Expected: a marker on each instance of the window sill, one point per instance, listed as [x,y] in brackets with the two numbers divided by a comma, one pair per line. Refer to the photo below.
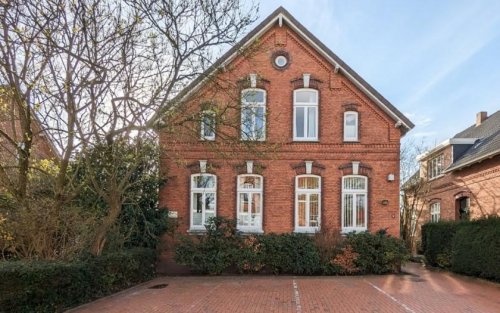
[206,139]
[197,231]
[305,140]
[306,230]
[436,177]
[250,231]
[351,141]
[346,231]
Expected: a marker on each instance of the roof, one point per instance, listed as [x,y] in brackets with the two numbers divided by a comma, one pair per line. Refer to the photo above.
[282,16]
[486,146]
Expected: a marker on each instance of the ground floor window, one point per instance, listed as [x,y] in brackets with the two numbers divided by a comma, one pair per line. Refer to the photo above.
[435,212]
[463,208]
[203,199]
[354,203]
[307,203]
[249,202]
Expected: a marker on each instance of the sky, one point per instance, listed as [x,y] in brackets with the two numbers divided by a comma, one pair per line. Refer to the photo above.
[438,62]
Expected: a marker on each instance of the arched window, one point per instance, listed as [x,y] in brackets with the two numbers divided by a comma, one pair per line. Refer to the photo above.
[307,203]
[351,126]
[354,203]
[305,114]
[207,127]
[253,114]
[203,199]
[435,212]
[249,206]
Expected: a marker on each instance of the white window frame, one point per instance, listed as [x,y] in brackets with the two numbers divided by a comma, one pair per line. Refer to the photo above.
[306,106]
[250,192]
[435,166]
[203,191]
[254,106]
[308,193]
[356,136]
[355,193]
[435,212]
[202,125]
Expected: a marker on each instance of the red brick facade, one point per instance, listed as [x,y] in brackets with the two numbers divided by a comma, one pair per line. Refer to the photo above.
[279,159]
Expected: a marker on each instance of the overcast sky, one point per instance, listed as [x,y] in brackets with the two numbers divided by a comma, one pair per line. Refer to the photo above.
[438,62]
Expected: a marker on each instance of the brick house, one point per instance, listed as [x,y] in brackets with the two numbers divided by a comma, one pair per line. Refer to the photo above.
[463,173]
[315,146]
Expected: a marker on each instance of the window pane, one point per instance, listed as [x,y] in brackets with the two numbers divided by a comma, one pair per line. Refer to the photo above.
[302,213]
[210,201]
[360,211]
[350,119]
[299,121]
[260,126]
[306,96]
[204,181]
[354,183]
[253,96]
[246,123]
[311,123]
[348,210]
[250,182]
[256,203]
[197,209]
[314,210]
[208,125]
[308,182]
[244,203]
[350,132]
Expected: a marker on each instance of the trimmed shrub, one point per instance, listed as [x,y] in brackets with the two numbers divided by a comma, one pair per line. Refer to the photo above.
[476,249]
[377,253]
[42,286]
[437,240]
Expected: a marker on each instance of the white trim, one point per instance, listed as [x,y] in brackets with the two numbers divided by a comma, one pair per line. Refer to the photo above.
[279,17]
[356,136]
[308,193]
[203,191]
[202,126]
[254,106]
[355,193]
[306,106]
[435,210]
[250,191]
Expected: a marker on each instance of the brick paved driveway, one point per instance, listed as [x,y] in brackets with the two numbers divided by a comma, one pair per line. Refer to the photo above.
[423,291]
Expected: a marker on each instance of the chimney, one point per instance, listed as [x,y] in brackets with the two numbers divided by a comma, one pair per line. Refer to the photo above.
[481,117]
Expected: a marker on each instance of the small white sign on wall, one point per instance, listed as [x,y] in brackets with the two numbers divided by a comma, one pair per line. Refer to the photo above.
[172,214]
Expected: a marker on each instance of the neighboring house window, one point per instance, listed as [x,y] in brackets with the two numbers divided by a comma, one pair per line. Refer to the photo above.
[207,127]
[253,114]
[305,114]
[203,199]
[250,202]
[435,212]
[307,203]
[354,203]
[351,126]
[435,166]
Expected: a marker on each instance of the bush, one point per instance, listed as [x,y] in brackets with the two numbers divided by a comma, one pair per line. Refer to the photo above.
[223,249]
[437,239]
[476,249]
[42,286]
[378,253]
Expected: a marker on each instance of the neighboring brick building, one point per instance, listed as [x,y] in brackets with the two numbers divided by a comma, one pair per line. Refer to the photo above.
[463,173]
[317,147]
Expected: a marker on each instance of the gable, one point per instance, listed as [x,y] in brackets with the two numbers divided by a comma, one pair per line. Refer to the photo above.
[279,18]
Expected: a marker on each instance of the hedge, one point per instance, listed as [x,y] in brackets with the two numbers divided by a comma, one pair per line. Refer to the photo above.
[223,250]
[43,286]
[467,247]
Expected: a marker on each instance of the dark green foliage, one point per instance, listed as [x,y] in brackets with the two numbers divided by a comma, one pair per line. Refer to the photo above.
[476,249]
[378,253]
[213,252]
[222,249]
[437,239]
[43,286]
[290,254]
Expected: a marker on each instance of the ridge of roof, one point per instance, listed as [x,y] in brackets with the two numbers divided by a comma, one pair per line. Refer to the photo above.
[282,15]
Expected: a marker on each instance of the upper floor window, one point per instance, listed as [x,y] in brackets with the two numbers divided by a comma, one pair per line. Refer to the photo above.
[435,166]
[207,127]
[351,126]
[203,199]
[354,203]
[307,203]
[305,114]
[253,114]
[435,212]
[249,204]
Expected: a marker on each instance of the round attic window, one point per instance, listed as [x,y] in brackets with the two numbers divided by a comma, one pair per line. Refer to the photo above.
[281,61]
